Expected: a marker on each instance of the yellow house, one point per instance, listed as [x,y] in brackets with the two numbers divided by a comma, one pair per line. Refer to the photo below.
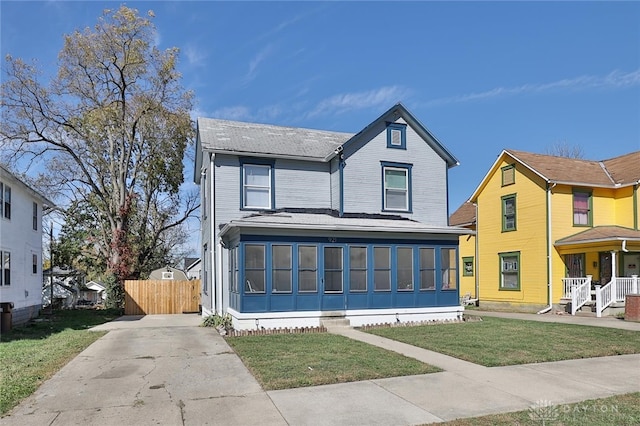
[465,217]
[553,233]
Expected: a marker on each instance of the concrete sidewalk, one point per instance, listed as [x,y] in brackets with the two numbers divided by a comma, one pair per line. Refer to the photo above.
[606,322]
[165,370]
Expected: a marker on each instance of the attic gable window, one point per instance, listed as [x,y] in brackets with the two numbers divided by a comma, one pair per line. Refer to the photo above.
[257,182]
[397,136]
[508,175]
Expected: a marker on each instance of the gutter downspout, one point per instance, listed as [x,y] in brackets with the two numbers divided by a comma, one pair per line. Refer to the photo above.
[477,262]
[213,236]
[549,262]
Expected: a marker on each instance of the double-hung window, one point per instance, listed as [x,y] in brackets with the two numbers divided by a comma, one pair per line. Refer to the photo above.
[5,268]
[5,200]
[582,208]
[510,271]
[509,213]
[35,216]
[396,187]
[257,186]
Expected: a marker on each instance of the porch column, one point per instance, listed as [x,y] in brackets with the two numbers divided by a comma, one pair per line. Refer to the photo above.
[614,290]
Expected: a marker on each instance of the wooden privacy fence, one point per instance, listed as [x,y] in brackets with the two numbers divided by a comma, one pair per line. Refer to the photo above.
[161,297]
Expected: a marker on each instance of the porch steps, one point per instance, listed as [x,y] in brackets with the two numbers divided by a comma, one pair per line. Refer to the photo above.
[335,322]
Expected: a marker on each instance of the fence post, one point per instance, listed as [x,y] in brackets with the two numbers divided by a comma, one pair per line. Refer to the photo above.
[598,302]
[634,284]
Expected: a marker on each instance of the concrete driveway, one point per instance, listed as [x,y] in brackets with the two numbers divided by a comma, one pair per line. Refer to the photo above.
[152,370]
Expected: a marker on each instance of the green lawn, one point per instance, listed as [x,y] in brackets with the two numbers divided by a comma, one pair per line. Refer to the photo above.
[31,354]
[498,341]
[282,361]
[619,410]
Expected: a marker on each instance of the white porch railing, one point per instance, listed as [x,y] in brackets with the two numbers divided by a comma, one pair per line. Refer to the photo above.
[571,283]
[580,294]
[615,291]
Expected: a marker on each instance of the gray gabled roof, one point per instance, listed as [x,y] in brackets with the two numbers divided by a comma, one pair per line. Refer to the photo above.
[234,137]
[400,111]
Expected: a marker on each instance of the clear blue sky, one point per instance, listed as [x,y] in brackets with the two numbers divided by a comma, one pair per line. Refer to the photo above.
[481,76]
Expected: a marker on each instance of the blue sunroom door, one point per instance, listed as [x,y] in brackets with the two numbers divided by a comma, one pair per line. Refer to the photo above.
[333,296]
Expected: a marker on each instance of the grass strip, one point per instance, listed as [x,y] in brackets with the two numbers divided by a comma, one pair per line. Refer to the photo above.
[283,361]
[619,410]
[500,341]
[32,353]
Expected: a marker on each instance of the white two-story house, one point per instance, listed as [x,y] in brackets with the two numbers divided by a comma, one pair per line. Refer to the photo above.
[21,210]
[300,225]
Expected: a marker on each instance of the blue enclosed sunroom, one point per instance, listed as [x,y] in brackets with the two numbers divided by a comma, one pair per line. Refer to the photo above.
[294,269]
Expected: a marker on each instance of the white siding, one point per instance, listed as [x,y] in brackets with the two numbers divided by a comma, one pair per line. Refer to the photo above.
[18,237]
[363,178]
[302,184]
[335,184]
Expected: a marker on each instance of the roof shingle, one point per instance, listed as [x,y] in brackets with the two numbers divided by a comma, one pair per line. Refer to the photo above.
[252,138]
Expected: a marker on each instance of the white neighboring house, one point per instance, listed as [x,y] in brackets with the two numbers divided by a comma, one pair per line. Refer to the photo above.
[194,269]
[21,210]
[96,292]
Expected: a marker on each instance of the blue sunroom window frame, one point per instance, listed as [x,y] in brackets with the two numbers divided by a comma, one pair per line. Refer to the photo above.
[403,135]
[250,161]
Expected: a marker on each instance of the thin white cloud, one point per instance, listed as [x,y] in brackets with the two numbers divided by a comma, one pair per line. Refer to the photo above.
[256,61]
[614,80]
[240,113]
[195,56]
[360,100]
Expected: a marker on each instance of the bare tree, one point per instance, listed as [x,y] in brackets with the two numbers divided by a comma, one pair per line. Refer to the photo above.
[111,129]
[564,149]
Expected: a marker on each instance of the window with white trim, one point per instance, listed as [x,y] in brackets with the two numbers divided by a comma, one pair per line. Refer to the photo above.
[5,200]
[5,268]
[34,263]
[35,216]
[256,186]
[396,187]
[510,271]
